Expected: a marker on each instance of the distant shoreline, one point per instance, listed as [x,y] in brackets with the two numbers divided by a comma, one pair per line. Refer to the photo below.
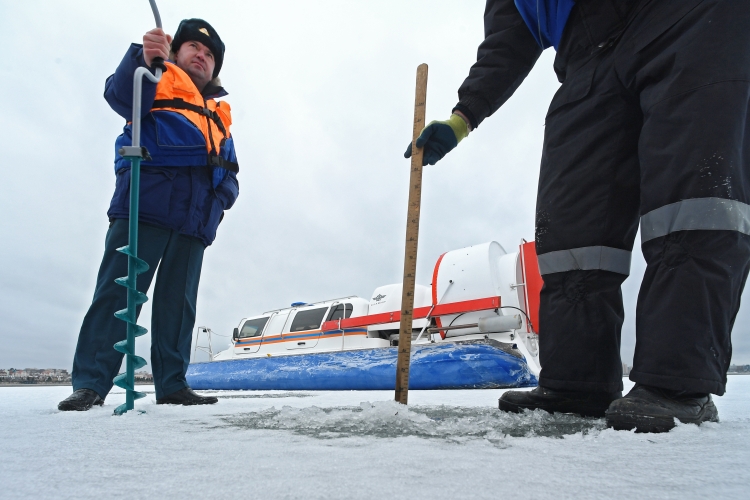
[38,385]
[57,385]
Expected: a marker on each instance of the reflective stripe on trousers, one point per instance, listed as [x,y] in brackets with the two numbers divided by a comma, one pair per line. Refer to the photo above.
[586,259]
[710,214]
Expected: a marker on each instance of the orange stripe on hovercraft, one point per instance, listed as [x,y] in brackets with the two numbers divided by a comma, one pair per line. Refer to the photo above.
[484,304]
[289,337]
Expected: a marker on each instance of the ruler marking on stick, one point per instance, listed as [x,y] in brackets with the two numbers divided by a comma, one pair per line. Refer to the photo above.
[412,238]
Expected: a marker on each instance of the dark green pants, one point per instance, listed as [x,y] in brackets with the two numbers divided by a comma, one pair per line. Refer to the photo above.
[179,259]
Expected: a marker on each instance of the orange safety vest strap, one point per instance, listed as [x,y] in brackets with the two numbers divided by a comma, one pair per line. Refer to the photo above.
[178,103]
[214,159]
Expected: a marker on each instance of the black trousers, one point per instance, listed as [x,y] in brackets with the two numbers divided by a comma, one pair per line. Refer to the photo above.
[652,127]
[179,259]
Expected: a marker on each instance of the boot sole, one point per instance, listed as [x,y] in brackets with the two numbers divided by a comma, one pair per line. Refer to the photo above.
[641,423]
[187,403]
[581,412]
[657,424]
[509,407]
[71,407]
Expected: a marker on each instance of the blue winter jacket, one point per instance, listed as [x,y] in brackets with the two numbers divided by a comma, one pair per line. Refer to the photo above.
[178,189]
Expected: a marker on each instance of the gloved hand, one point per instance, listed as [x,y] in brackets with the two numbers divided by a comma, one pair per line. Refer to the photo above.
[439,137]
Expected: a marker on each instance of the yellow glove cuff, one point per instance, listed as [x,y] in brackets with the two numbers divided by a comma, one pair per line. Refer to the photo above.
[459,126]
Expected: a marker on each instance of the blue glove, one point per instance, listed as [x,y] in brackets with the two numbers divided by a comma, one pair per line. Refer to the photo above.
[439,137]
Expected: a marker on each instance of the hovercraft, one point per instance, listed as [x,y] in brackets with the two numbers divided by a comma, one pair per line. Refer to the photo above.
[473,328]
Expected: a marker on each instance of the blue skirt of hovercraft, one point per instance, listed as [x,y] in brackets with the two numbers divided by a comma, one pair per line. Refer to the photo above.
[467,365]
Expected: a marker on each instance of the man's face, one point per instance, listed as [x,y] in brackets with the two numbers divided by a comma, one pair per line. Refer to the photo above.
[197,61]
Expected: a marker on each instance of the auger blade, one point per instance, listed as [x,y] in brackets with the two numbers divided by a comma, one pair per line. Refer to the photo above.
[139,330]
[122,346]
[121,380]
[140,297]
[138,362]
[123,281]
[123,315]
[141,266]
[123,408]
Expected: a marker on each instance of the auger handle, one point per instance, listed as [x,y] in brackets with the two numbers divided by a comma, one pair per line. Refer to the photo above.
[158,65]
[155,10]
[158,62]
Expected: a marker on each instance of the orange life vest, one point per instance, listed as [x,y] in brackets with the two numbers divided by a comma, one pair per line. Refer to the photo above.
[176,92]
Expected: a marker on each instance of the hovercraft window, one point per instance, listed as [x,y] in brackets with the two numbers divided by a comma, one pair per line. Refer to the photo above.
[338,310]
[308,320]
[253,327]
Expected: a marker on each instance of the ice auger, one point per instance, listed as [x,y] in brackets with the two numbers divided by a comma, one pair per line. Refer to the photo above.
[135,153]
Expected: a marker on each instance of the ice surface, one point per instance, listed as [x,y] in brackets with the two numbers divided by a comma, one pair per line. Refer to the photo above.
[388,419]
[275,444]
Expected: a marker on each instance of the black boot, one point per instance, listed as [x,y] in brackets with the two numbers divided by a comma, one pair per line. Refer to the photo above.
[186,397]
[585,404]
[80,400]
[651,409]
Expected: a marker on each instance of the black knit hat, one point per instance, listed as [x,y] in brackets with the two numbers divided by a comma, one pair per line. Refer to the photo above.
[199,30]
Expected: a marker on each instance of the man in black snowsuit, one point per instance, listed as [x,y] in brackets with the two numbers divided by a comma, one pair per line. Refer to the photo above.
[650,125]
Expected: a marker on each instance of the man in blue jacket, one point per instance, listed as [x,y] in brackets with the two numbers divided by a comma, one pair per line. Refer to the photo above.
[651,125]
[185,188]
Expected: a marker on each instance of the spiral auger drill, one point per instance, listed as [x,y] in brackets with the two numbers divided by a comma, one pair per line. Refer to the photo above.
[135,153]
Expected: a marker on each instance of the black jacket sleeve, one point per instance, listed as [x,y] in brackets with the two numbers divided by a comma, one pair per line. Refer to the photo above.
[504,58]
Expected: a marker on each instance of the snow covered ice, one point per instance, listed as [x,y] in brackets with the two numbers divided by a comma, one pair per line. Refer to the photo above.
[274,444]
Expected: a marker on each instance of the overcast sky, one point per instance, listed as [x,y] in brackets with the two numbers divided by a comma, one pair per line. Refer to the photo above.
[322,99]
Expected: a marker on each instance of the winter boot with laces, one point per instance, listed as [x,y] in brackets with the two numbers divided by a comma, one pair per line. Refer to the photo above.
[651,409]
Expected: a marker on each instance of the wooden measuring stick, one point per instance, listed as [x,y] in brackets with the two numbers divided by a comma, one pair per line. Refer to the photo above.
[412,237]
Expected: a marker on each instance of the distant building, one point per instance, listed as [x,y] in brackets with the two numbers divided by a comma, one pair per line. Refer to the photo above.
[34,376]
[144,377]
[626,369]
